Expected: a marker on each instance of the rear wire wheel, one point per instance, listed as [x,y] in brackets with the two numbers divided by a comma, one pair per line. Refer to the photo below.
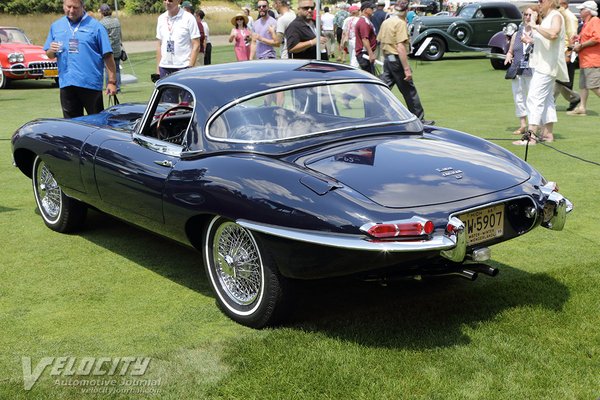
[248,287]
[59,212]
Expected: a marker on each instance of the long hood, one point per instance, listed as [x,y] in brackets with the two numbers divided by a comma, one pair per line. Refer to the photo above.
[409,172]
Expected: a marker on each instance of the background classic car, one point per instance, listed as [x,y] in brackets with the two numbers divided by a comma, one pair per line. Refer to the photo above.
[20,59]
[470,30]
[264,169]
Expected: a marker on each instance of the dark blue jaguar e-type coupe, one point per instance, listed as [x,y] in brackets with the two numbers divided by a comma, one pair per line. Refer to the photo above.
[287,170]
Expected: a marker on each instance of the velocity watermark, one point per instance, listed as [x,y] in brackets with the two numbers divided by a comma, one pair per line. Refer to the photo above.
[93,374]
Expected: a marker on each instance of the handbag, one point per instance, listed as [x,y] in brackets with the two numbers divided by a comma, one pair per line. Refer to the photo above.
[511,72]
[113,100]
[124,55]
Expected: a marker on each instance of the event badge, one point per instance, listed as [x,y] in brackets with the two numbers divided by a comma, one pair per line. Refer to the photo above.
[73,45]
[170,46]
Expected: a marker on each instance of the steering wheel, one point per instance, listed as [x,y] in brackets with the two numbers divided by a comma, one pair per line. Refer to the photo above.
[163,115]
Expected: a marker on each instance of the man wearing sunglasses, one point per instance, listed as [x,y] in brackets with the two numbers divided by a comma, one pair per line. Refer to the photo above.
[264,36]
[301,34]
[178,39]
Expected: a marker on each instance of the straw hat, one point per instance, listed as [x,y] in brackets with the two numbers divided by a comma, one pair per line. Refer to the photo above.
[239,15]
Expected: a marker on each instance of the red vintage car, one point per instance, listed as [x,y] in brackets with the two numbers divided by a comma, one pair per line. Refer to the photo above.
[20,59]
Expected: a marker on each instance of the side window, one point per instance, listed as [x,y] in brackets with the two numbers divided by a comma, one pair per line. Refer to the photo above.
[171,115]
[478,15]
[492,13]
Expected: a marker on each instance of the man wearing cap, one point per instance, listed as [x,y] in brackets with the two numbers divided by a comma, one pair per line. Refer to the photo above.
[82,47]
[349,35]
[587,46]
[113,27]
[395,45]
[301,34]
[366,40]
[178,39]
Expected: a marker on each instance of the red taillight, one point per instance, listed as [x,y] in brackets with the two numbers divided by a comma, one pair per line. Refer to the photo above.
[398,229]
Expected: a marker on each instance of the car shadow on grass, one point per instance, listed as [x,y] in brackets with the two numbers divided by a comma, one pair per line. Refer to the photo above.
[419,314]
[408,314]
[170,259]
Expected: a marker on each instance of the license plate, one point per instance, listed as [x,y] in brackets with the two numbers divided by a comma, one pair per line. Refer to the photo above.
[50,73]
[484,224]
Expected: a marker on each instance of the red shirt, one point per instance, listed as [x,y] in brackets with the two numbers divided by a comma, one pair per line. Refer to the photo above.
[364,29]
[589,57]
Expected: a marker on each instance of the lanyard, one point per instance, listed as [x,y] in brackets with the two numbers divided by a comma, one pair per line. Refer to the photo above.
[74,31]
[171,23]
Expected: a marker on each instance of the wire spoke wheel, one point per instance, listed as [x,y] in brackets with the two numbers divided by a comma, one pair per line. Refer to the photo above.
[238,263]
[248,286]
[59,212]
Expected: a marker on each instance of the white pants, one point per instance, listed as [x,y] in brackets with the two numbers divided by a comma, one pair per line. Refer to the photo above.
[540,100]
[520,89]
[353,60]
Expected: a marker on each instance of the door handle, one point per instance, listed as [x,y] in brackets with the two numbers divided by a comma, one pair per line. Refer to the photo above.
[164,163]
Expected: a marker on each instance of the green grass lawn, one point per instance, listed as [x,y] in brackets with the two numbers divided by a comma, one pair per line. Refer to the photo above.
[115,291]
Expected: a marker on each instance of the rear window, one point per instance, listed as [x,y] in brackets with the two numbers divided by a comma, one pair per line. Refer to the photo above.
[302,111]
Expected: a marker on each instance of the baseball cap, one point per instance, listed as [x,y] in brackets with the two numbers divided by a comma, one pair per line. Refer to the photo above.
[590,5]
[104,8]
[353,8]
[365,5]
[186,4]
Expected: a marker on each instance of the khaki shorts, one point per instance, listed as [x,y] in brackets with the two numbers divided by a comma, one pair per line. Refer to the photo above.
[589,78]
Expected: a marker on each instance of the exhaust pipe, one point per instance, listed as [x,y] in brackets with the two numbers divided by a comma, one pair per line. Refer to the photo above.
[484,269]
[467,274]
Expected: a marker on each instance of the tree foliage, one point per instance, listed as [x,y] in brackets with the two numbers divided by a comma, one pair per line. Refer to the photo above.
[23,7]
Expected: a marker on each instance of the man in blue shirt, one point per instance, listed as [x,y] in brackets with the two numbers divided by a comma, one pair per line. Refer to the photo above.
[82,47]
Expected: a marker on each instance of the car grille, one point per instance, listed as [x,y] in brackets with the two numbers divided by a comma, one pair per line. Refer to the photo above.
[38,67]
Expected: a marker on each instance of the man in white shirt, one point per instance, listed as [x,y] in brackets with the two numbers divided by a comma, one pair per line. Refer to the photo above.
[327,28]
[178,39]
[286,16]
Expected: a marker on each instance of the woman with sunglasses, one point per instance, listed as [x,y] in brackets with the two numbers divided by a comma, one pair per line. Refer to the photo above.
[519,71]
[548,63]
[242,36]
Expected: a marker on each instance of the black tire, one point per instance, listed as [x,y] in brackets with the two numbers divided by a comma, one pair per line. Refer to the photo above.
[3,80]
[248,287]
[435,50]
[498,63]
[59,212]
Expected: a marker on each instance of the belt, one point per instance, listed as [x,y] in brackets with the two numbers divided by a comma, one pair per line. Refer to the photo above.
[391,57]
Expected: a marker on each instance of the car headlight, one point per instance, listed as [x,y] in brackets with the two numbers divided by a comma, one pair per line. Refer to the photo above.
[16,57]
[510,29]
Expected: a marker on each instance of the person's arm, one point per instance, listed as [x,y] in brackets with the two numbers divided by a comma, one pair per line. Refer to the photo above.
[367,45]
[273,42]
[195,48]
[232,35]
[550,33]
[403,56]
[509,53]
[252,47]
[158,56]
[111,67]
[588,43]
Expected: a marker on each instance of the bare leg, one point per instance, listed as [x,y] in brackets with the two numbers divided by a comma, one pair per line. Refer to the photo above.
[547,134]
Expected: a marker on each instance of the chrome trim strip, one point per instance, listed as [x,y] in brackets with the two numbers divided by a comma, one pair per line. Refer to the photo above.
[352,242]
[237,101]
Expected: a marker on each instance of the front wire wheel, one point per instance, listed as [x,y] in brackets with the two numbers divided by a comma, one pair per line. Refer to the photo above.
[247,284]
[59,212]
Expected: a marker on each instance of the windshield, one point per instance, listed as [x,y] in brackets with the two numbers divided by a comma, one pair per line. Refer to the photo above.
[302,111]
[8,35]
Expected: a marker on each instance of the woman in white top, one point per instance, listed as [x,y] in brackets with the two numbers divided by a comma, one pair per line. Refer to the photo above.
[548,63]
[349,33]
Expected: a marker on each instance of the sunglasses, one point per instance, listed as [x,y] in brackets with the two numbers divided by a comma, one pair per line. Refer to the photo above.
[308,8]
[527,14]
[263,5]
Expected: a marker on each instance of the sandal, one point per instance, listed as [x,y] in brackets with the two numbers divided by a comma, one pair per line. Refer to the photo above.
[531,142]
